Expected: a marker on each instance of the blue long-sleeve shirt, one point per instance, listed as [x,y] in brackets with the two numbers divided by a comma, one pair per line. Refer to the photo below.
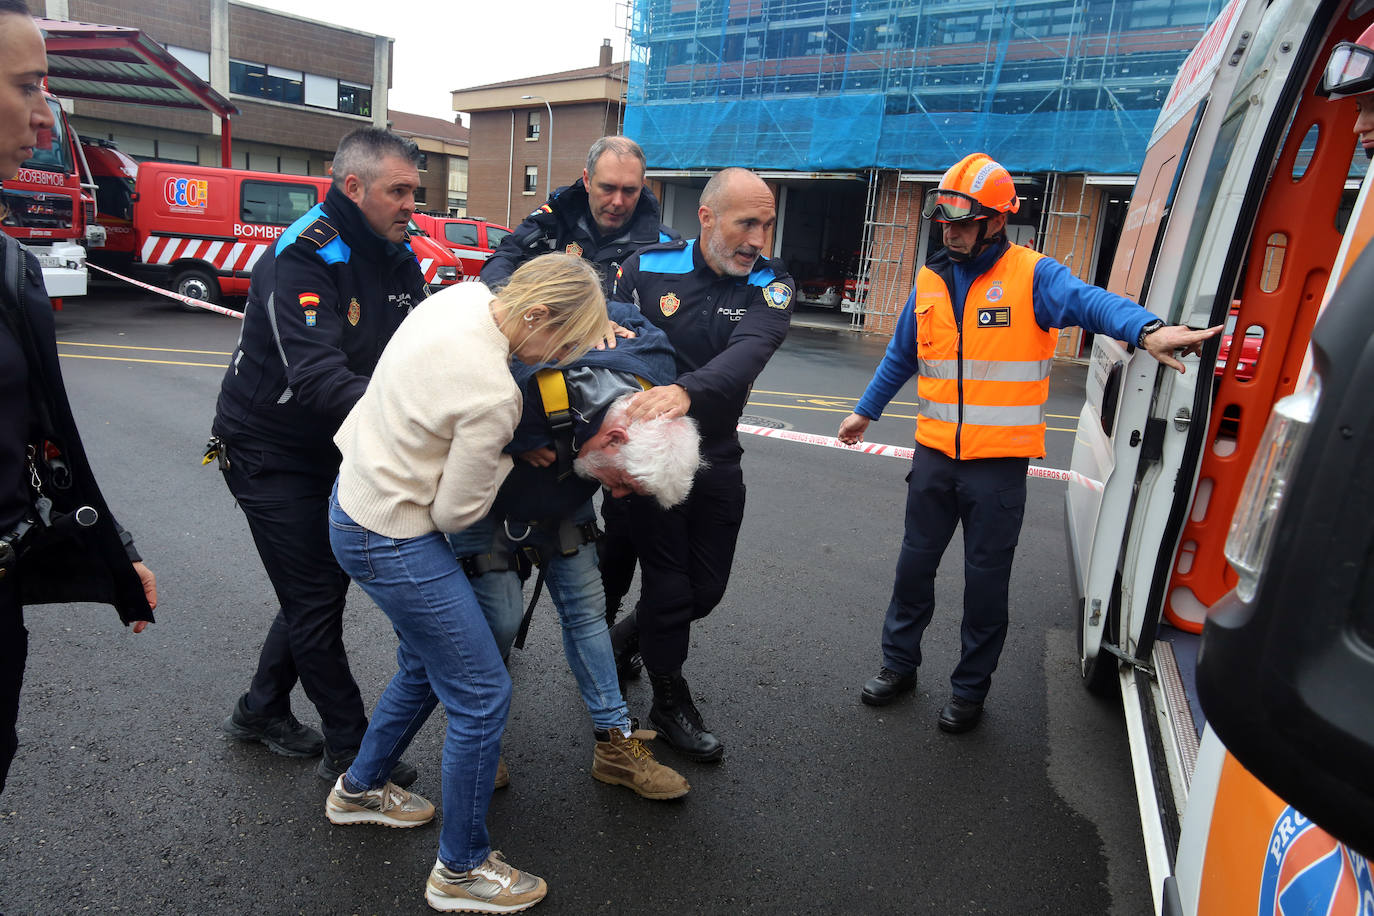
[1059,299]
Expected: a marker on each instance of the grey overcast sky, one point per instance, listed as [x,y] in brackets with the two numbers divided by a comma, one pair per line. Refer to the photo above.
[442,45]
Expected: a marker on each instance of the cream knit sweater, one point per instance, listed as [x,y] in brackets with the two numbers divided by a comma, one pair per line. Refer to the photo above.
[422,447]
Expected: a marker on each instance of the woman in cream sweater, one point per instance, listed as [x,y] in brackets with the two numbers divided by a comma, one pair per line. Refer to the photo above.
[421,457]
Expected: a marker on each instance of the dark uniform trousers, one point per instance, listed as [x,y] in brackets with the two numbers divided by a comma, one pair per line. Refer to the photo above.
[989,496]
[286,502]
[685,555]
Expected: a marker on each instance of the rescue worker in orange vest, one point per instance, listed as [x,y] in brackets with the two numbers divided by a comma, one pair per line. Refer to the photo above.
[980,330]
[1350,74]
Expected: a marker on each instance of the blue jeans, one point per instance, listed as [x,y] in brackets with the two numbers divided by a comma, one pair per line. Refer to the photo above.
[445,653]
[574,583]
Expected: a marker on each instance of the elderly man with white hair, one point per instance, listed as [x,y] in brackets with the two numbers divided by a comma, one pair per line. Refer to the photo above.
[574,435]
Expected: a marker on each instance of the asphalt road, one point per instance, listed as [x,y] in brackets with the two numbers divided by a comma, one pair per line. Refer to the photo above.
[126,797]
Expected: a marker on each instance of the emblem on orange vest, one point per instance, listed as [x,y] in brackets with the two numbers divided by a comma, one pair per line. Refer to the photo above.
[574,249]
[995,292]
[668,304]
[994,318]
[355,311]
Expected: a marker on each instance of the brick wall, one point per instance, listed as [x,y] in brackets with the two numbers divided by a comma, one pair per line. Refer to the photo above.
[575,128]
[263,37]
[892,252]
[255,35]
[171,22]
[1070,235]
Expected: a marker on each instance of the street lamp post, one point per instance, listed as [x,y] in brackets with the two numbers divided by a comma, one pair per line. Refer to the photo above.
[548,166]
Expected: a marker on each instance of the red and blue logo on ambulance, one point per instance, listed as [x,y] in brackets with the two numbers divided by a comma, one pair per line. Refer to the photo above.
[186,193]
[1306,870]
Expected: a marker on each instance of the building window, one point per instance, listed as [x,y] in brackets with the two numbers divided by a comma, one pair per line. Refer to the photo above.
[321,91]
[423,164]
[531,178]
[354,99]
[198,62]
[268,82]
[275,203]
[420,196]
[532,125]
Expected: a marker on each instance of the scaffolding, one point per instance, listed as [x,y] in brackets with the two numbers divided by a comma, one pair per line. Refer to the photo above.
[810,85]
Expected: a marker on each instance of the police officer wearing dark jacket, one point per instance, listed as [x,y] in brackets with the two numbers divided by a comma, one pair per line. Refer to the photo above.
[725,308]
[322,305]
[58,541]
[604,217]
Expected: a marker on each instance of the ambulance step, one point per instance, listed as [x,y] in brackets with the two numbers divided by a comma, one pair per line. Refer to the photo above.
[1179,710]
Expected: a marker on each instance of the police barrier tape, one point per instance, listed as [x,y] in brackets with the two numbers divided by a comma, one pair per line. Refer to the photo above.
[867,448]
[198,303]
[897,451]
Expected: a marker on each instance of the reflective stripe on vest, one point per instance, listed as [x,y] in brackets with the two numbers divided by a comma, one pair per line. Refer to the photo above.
[983,386]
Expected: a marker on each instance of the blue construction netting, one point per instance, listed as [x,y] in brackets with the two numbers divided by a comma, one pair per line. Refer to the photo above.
[812,85]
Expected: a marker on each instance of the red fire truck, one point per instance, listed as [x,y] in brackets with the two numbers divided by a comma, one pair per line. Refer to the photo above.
[50,207]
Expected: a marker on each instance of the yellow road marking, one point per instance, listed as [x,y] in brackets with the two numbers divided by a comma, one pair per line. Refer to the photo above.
[130,359]
[72,343]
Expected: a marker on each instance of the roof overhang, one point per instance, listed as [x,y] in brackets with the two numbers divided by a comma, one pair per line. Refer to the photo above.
[110,63]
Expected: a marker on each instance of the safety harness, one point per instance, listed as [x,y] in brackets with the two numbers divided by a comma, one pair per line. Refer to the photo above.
[571,536]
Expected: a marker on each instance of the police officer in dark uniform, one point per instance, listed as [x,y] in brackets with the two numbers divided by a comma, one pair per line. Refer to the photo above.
[58,541]
[323,303]
[725,308]
[603,217]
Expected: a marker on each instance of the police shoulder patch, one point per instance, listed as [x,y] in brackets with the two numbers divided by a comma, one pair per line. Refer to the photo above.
[777,294]
[319,233]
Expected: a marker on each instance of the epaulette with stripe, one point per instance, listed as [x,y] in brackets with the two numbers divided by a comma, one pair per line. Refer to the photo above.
[319,233]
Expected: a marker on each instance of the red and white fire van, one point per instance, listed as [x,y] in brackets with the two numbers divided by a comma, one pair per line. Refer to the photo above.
[206,228]
[471,240]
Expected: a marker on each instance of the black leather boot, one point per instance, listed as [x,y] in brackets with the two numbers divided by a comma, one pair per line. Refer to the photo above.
[677,720]
[625,645]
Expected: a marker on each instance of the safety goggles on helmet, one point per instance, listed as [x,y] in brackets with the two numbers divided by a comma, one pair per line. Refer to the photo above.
[1349,71]
[946,206]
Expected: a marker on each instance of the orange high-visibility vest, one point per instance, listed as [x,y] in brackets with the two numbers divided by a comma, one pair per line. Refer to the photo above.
[983,389]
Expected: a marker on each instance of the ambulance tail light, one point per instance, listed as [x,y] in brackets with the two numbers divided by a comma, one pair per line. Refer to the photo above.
[1267,483]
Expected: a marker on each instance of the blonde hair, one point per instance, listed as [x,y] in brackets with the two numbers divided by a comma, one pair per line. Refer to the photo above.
[570,289]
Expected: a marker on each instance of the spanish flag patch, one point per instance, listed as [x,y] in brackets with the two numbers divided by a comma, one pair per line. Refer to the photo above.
[309,300]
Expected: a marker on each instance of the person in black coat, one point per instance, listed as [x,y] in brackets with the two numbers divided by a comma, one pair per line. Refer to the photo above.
[58,541]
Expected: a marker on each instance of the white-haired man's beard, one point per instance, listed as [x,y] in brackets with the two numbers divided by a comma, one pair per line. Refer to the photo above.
[588,465]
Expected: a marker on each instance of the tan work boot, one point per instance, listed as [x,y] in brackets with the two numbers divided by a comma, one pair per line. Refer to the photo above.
[628,762]
[502,774]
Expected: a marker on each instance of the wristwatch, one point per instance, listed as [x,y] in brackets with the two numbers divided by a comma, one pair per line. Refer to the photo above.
[1146,331]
